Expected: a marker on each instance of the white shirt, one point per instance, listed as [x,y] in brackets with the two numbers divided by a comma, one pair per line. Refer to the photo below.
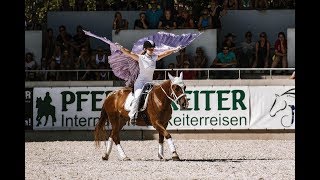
[147,65]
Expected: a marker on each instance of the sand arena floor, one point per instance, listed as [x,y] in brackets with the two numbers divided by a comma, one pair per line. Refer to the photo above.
[200,159]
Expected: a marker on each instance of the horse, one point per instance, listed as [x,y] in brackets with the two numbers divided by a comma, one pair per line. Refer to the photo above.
[158,111]
[281,104]
[45,109]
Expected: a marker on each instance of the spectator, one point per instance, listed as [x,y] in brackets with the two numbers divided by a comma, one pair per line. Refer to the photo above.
[200,61]
[57,57]
[216,12]
[172,72]
[30,64]
[119,23]
[186,22]
[64,38]
[229,41]
[182,57]
[205,21]
[188,74]
[141,23]
[49,44]
[224,59]
[280,48]
[67,63]
[100,57]
[90,75]
[81,40]
[178,14]
[167,21]
[262,52]
[247,51]
[153,15]
[231,4]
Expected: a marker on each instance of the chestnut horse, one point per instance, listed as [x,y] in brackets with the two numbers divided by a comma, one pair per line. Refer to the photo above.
[158,111]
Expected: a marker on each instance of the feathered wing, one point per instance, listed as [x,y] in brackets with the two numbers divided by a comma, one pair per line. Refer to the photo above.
[165,41]
[123,67]
[126,68]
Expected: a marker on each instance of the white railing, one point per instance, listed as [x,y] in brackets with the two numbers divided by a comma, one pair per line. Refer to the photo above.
[209,71]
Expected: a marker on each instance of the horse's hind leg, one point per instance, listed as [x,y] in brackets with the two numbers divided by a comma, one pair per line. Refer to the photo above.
[116,127]
[160,152]
[109,144]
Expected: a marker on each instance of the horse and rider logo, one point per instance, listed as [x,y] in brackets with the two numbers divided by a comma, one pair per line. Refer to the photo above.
[284,107]
[45,109]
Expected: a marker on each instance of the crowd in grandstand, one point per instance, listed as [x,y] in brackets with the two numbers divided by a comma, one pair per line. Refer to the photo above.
[72,50]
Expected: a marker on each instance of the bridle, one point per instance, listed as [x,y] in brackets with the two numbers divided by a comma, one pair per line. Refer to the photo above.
[173,94]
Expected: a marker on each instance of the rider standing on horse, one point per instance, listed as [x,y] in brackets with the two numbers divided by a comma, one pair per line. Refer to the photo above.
[147,64]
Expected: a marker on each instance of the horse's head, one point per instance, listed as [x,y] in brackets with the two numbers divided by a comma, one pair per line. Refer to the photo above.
[39,100]
[279,104]
[178,91]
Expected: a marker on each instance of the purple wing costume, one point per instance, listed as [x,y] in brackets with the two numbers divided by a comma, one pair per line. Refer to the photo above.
[126,68]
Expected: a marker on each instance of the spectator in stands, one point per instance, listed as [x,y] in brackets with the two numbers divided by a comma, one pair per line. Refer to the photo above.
[142,22]
[205,20]
[280,48]
[224,59]
[186,21]
[100,57]
[216,12]
[64,38]
[172,72]
[261,4]
[231,4]
[49,44]
[178,14]
[119,23]
[154,14]
[80,41]
[229,41]
[90,75]
[188,74]
[182,57]
[52,76]
[167,21]
[57,57]
[262,52]
[200,61]
[30,64]
[67,63]
[85,57]
[247,51]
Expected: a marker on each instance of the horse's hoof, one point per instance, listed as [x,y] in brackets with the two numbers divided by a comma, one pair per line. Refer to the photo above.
[161,157]
[126,159]
[175,158]
[106,157]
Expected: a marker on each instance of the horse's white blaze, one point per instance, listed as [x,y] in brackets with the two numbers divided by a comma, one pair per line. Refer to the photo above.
[171,145]
[109,146]
[121,152]
[161,150]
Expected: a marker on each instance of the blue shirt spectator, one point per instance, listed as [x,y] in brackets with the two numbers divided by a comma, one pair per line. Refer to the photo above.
[153,15]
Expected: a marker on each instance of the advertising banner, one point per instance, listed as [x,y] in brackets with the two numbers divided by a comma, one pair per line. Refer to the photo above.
[28,108]
[272,107]
[78,108]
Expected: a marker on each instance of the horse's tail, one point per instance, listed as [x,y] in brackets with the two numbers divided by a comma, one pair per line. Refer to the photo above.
[100,133]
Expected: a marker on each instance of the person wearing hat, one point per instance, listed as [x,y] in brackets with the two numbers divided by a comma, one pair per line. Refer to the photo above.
[147,64]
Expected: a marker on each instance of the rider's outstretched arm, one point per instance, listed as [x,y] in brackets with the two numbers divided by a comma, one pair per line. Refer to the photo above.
[129,53]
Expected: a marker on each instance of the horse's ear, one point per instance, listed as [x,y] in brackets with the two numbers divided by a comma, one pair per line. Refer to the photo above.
[170,77]
[181,76]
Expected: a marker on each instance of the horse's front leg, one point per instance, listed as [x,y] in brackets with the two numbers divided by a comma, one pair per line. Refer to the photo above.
[159,127]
